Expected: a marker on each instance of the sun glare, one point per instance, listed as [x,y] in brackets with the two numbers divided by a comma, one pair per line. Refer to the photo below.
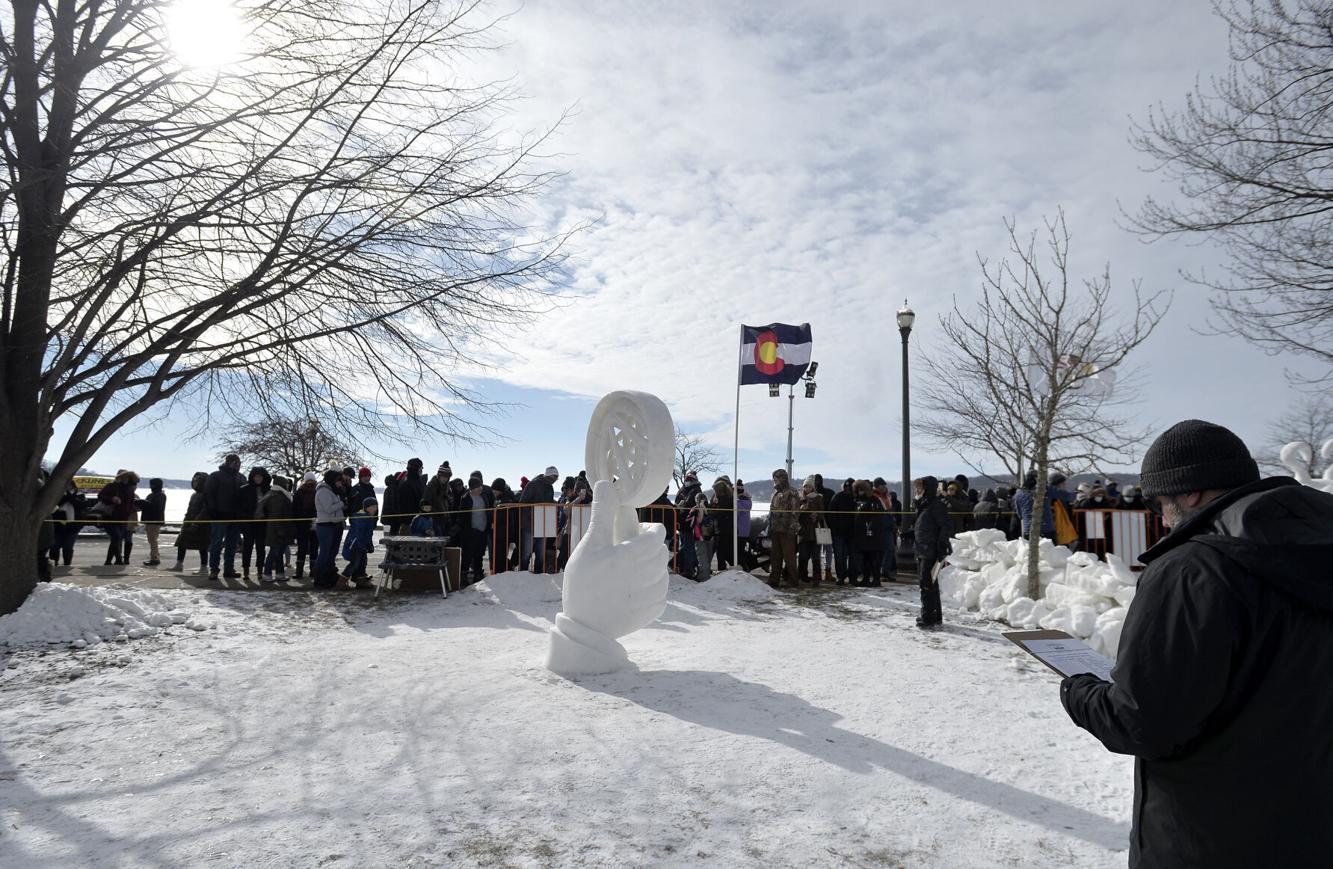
[204,33]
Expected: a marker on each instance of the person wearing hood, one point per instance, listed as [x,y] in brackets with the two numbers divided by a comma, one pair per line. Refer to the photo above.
[390,508]
[303,509]
[411,488]
[1218,688]
[987,512]
[869,535]
[329,515]
[539,492]
[783,525]
[253,533]
[222,500]
[279,529]
[71,508]
[195,534]
[686,497]
[1133,500]
[933,529]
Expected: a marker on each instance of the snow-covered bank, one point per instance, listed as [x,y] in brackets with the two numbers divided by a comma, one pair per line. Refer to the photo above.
[1079,594]
[761,730]
[58,614]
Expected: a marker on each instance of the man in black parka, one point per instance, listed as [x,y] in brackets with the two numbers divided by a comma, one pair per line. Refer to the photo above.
[933,529]
[1223,687]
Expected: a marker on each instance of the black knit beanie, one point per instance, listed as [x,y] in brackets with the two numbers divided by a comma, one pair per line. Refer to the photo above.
[1196,456]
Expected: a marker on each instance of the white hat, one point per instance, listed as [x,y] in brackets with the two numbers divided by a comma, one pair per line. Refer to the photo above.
[551,471]
[310,475]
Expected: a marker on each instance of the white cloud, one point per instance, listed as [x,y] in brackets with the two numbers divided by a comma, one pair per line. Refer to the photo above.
[820,162]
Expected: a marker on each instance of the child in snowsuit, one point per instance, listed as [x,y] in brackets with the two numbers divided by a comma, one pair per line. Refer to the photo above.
[359,543]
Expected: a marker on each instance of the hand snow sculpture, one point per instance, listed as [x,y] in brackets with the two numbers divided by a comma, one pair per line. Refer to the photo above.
[1296,456]
[616,579]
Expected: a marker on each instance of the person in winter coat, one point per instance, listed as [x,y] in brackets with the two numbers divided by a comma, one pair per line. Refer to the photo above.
[783,524]
[222,500]
[1132,500]
[888,565]
[389,517]
[987,512]
[437,493]
[960,508]
[722,507]
[253,533]
[423,524]
[152,512]
[279,529]
[933,530]
[686,497]
[358,546]
[119,497]
[65,530]
[478,512]
[195,534]
[809,516]
[538,493]
[841,519]
[826,551]
[506,524]
[412,487]
[744,504]
[360,490]
[868,536]
[1023,506]
[303,509]
[1219,688]
[702,529]
[328,528]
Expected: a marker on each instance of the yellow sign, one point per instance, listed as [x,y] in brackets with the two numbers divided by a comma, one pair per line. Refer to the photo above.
[92,484]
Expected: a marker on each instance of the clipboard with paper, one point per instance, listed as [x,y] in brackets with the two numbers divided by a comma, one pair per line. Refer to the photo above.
[1062,653]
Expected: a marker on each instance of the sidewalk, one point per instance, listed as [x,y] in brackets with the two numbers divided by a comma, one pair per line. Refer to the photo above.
[88,569]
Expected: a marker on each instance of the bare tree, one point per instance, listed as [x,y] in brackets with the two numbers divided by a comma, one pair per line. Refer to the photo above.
[1250,156]
[319,228]
[1311,423]
[693,454]
[1035,361]
[290,446]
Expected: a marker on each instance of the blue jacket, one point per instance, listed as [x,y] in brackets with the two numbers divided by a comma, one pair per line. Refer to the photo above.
[1023,507]
[423,526]
[361,535]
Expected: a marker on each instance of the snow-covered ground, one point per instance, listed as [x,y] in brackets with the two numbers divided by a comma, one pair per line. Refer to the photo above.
[303,730]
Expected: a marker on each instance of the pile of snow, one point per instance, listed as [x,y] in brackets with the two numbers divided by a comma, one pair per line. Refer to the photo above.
[1080,595]
[81,617]
[738,585]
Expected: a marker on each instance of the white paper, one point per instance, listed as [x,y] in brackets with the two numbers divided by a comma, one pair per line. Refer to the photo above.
[1071,656]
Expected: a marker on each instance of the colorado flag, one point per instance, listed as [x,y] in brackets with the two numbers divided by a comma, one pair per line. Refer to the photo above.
[776,353]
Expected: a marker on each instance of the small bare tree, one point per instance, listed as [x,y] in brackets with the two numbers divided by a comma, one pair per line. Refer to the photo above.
[322,227]
[1036,361]
[1310,423]
[693,454]
[1250,154]
[290,446]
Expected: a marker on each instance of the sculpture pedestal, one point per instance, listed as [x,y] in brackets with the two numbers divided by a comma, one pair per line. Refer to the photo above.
[577,650]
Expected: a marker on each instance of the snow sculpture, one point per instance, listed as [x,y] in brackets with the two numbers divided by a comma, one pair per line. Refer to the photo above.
[616,578]
[1296,456]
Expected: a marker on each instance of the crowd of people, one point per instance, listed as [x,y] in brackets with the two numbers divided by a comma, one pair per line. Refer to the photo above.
[281,525]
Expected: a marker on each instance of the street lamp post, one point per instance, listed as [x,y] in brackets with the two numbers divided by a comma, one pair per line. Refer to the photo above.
[809,378]
[906,553]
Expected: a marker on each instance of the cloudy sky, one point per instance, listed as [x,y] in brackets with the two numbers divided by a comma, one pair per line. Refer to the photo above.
[822,162]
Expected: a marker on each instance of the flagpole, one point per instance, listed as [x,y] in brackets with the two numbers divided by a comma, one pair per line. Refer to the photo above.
[736,462]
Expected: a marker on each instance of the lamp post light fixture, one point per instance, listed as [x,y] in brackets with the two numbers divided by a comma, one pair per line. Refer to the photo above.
[906,551]
[810,386]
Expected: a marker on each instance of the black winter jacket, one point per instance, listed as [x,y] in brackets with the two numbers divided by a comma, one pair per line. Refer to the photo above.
[839,516]
[538,491]
[1221,687]
[933,527]
[250,495]
[222,493]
